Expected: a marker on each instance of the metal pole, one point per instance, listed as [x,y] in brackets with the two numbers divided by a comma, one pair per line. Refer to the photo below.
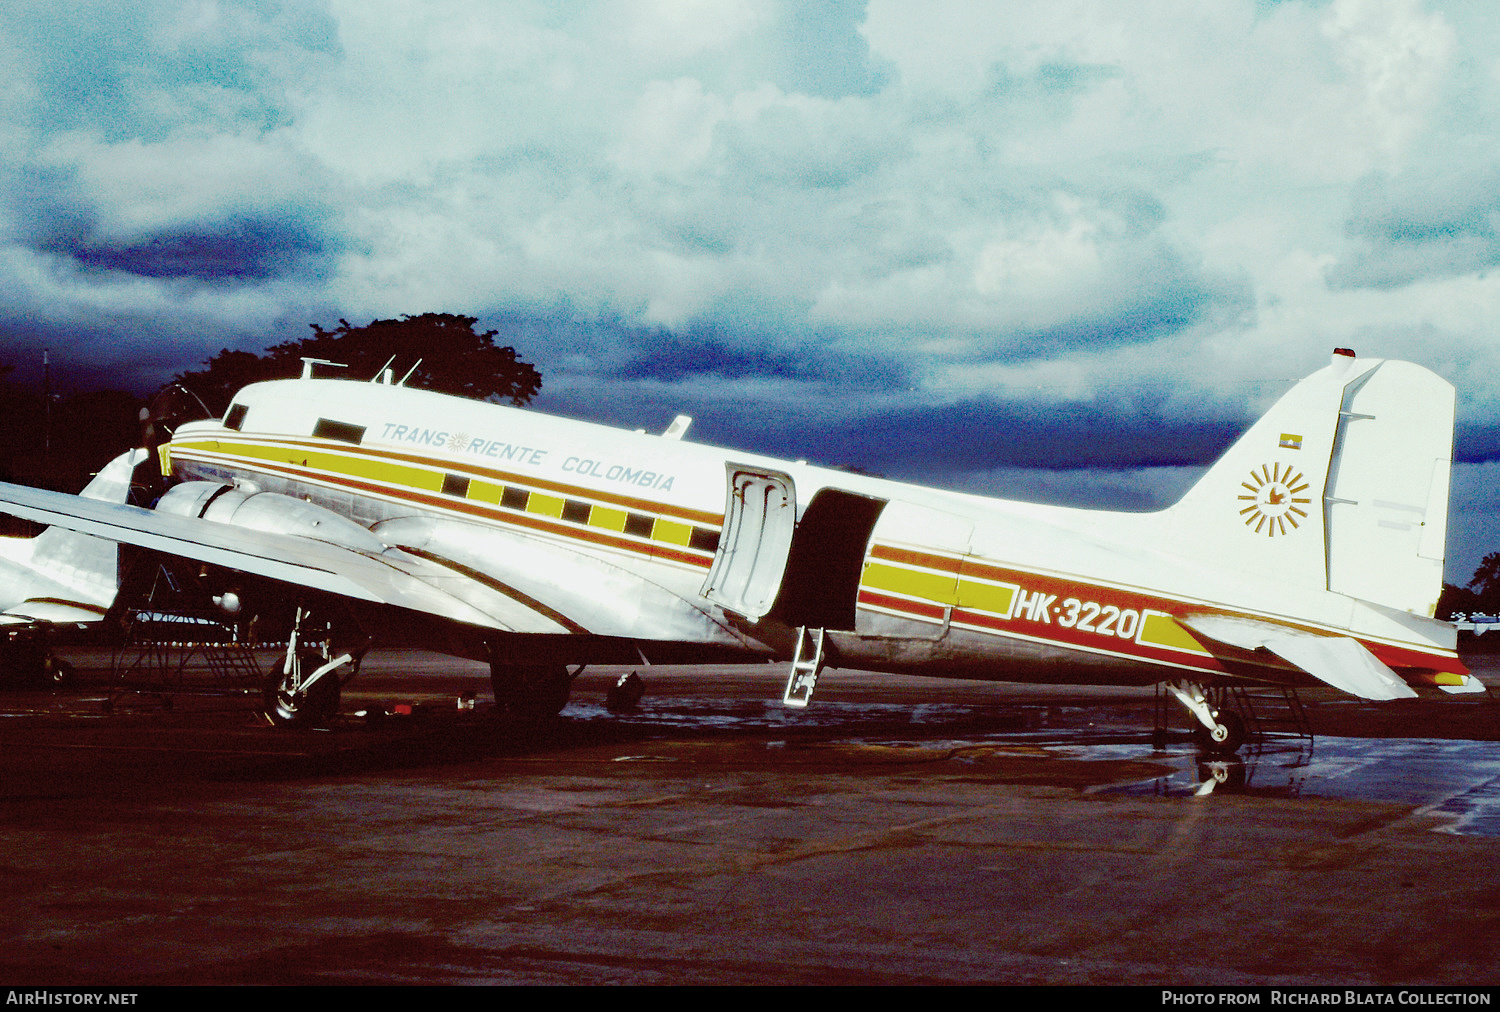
[47,410]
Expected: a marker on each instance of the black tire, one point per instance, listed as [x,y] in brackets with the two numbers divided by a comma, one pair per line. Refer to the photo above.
[59,671]
[315,706]
[1227,738]
[532,691]
[625,695]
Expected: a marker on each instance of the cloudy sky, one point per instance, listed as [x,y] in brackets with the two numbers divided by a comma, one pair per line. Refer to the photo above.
[1057,250]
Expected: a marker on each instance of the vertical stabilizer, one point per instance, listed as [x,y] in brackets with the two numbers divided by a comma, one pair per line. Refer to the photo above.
[1341,486]
[58,547]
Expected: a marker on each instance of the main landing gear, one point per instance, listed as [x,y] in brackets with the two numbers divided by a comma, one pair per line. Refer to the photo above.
[303,688]
[530,691]
[1219,731]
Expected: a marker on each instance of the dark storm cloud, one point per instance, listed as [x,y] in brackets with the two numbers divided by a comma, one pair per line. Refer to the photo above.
[607,350]
[982,434]
[1477,440]
[51,213]
[239,251]
[1168,303]
[887,434]
[706,352]
[136,350]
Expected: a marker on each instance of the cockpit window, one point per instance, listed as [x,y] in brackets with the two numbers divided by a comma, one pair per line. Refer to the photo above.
[235,417]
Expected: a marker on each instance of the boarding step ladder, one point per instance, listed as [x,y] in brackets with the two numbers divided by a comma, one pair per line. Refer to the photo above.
[1268,709]
[176,641]
[807,663]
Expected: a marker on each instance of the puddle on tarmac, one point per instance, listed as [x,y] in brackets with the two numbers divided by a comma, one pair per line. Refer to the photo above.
[1455,778]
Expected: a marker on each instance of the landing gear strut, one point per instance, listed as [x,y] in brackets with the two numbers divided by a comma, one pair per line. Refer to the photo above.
[1220,731]
[303,688]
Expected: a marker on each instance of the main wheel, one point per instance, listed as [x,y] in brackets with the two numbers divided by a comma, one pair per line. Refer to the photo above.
[1227,736]
[315,706]
[530,690]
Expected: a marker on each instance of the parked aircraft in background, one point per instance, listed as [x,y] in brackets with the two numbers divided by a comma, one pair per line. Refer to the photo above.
[57,580]
[60,577]
[1312,552]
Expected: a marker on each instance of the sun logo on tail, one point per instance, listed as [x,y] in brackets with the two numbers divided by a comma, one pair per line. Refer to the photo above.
[1274,499]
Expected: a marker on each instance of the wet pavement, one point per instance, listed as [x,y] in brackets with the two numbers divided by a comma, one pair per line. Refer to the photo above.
[898,831]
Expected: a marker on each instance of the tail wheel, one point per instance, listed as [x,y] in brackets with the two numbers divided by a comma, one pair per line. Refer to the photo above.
[531,690]
[289,704]
[1226,737]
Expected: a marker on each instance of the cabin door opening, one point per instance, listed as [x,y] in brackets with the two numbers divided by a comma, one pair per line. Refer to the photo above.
[760,518]
[771,563]
[821,587]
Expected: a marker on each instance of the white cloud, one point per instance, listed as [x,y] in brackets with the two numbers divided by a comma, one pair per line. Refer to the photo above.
[668,31]
[1076,195]
[670,129]
[1397,55]
[138,188]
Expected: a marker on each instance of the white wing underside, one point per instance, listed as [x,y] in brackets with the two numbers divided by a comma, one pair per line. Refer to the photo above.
[435,577]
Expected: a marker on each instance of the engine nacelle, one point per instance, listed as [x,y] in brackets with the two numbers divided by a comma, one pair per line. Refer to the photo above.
[271,512]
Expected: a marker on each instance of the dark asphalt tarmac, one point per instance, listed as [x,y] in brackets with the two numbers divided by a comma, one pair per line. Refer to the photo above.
[899,831]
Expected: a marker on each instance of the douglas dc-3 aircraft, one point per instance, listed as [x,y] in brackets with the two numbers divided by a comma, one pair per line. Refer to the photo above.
[1312,552]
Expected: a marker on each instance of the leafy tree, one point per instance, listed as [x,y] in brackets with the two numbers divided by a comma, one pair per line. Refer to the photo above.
[1457,600]
[227,373]
[448,354]
[1486,582]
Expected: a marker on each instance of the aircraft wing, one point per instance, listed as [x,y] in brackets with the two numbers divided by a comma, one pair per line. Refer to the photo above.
[1340,661]
[393,578]
[467,573]
[55,588]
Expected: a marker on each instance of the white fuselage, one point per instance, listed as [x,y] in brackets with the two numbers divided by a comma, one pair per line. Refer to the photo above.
[947,583]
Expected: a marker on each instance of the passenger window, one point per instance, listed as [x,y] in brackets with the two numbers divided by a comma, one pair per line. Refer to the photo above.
[342,431]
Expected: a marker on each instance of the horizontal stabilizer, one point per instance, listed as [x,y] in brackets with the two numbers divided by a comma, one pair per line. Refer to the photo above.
[1340,661]
[1343,663]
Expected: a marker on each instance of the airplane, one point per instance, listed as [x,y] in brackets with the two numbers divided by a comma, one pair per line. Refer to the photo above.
[1311,553]
[58,580]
